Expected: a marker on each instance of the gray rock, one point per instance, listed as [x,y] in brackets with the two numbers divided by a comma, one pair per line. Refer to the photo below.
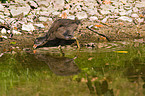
[1,7]
[28,27]
[40,25]
[58,4]
[16,32]
[43,3]
[71,17]
[81,15]
[93,18]
[3,31]
[15,11]
[134,15]
[124,18]
[140,4]
[32,3]
[20,1]
[43,19]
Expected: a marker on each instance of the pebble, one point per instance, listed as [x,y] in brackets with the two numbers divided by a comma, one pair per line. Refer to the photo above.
[134,15]
[16,32]
[1,7]
[43,19]
[3,31]
[124,18]
[81,15]
[28,27]
[40,25]
[82,9]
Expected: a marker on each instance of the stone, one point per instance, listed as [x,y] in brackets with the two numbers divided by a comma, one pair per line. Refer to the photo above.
[28,27]
[93,18]
[140,4]
[45,13]
[81,15]
[1,7]
[58,4]
[43,19]
[105,19]
[71,17]
[55,13]
[40,25]
[5,37]
[134,15]
[6,12]
[32,3]
[16,32]
[15,11]
[135,9]
[20,1]
[3,31]
[43,3]
[124,18]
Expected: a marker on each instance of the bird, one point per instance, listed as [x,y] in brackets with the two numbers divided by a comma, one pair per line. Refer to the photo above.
[60,29]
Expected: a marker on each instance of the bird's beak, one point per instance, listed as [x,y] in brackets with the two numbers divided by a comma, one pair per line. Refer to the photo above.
[34,46]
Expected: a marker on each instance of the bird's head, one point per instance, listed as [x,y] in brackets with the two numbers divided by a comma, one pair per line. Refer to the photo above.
[40,41]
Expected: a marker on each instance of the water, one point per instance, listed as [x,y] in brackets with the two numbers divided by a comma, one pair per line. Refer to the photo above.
[104,72]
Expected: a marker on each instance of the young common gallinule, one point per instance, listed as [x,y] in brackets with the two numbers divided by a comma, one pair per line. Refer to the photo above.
[61,29]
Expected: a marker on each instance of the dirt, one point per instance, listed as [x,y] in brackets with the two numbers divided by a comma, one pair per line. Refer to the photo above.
[114,30]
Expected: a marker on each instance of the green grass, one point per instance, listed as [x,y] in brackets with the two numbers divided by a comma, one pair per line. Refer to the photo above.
[120,74]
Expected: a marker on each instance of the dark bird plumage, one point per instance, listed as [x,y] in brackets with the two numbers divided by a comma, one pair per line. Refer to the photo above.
[60,29]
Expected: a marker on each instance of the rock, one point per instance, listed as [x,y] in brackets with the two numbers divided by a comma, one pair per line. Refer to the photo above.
[43,19]
[1,7]
[40,25]
[6,12]
[44,13]
[16,32]
[58,4]
[129,12]
[105,19]
[43,3]
[50,19]
[28,27]
[103,12]
[1,20]
[135,9]
[55,13]
[106,9]
[122,12]
[20,1]
[71,17]
[81,15]
[140,4]
[140,20]
[9,31]
[5,37]
[134,15]
[124,18]
[3,31]
[33,4]
[15,11]
[93,18]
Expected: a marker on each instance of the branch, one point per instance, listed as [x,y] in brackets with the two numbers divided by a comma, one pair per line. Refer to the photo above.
[98,33]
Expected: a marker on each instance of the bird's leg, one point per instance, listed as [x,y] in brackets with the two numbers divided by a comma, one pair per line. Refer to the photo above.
[77,41]
[61,51]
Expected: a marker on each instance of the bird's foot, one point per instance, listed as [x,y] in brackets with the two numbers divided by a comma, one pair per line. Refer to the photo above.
[61,51]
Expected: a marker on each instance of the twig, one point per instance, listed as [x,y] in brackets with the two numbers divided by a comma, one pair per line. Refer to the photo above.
[98,33]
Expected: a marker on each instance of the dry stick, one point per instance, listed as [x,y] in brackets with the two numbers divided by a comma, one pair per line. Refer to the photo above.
[98,33]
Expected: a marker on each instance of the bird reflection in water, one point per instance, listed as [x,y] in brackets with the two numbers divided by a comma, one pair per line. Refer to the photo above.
[63,66]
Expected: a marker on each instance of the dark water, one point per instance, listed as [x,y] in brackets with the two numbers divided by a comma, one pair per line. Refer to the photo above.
[102,73]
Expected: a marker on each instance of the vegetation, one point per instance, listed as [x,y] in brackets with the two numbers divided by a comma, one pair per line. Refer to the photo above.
[105,73]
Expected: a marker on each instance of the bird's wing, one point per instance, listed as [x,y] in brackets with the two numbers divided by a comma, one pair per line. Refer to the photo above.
[59,24]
